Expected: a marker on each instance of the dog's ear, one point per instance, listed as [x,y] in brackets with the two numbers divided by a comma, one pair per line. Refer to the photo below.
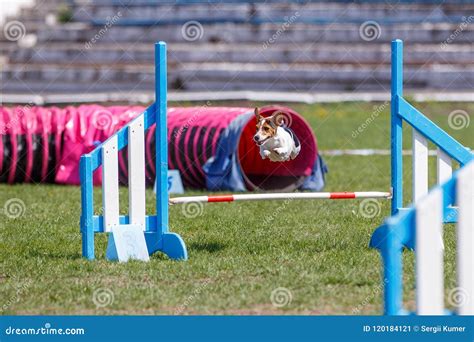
[257,114]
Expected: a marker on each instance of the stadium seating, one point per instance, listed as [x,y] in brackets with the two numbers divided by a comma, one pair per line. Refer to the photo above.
[310,46]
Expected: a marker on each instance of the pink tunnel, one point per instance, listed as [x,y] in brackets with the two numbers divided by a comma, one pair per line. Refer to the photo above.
[44,144]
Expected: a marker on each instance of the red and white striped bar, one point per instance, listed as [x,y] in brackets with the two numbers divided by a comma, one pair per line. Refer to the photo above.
[281,196]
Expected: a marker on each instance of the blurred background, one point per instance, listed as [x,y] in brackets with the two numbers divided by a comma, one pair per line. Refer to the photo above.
[72,51]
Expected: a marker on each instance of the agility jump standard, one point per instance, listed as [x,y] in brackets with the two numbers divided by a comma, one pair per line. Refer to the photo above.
[420,226]
[281,196]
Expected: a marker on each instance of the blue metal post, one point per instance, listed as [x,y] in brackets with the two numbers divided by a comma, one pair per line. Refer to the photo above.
[161,139]
[396,126]
[87,207]
[389,240]
[169,243]
[393,274]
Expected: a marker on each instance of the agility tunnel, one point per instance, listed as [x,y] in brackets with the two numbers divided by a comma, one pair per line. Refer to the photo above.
[212,147]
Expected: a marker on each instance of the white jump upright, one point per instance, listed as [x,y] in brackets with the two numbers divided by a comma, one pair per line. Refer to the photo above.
[419,165]
[110,184]
[136,174]
[429,255]
[444,169]
[465,240]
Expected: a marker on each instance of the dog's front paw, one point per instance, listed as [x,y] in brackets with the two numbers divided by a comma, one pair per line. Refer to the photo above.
[280,151]
[293,155]
[265,154]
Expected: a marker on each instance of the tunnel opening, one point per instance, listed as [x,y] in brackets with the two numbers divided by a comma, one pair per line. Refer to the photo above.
[263,174]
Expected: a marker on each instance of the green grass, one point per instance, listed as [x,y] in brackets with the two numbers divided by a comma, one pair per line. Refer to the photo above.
[237,254]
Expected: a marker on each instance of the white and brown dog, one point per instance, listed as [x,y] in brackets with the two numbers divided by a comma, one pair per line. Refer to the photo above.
[276,141]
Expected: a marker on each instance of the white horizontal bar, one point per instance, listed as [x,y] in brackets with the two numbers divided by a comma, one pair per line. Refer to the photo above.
[280,196]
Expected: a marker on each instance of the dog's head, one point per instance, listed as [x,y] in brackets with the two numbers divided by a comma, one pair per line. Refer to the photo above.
[266,128]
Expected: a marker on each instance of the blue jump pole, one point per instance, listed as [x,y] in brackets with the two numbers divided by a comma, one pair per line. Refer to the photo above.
[171,244]
[161,142]
[396,126]
[87,207]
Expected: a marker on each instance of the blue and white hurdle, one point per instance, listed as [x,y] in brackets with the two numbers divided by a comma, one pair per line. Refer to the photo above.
[127,242]
[420,227]
[424,130]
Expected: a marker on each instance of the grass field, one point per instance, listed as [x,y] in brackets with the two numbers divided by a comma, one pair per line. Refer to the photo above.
[239,254]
